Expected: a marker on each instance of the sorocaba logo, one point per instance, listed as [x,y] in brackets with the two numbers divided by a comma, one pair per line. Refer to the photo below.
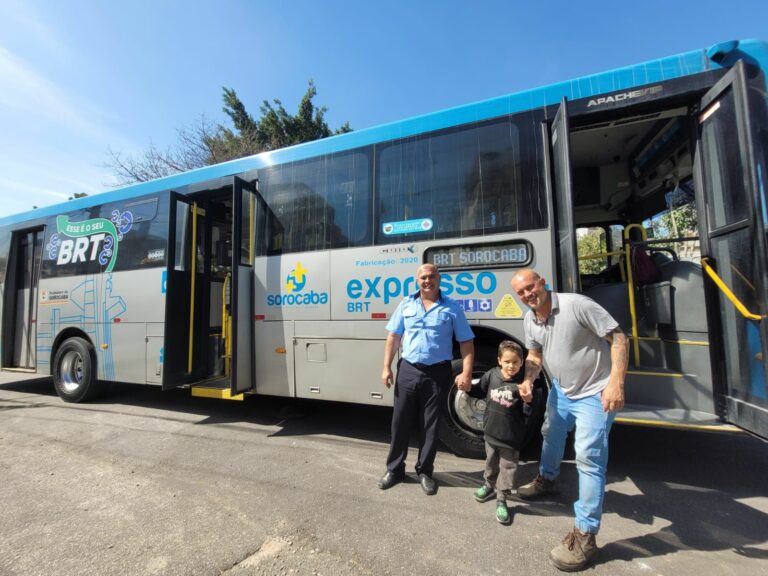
[295,282]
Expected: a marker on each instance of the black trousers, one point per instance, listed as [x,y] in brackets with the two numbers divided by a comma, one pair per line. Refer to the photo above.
[420,392]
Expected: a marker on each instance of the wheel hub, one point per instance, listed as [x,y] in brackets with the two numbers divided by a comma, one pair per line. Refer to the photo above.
[470,412]
[71,371]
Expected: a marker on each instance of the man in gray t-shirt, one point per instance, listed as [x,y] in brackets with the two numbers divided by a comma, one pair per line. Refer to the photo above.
[586,355]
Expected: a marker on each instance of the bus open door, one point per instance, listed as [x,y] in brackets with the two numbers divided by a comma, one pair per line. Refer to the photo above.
[730,169]
[183,287]
[244,202]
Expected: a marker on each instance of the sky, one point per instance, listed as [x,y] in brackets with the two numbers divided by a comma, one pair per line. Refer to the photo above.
[79,78]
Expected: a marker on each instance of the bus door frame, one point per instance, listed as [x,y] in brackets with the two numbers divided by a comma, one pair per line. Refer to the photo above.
[738,404]
[180,336]
[557,159]
[21,299]
[242,290]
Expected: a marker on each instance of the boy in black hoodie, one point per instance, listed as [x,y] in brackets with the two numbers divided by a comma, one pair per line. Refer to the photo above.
[505,431]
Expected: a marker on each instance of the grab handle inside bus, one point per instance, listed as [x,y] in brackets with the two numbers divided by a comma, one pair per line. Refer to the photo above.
[728,293]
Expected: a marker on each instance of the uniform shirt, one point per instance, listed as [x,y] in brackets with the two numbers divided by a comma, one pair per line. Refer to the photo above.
[427,335]
[571,341]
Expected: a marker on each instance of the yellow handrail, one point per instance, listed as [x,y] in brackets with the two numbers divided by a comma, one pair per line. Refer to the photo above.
[631,286]
[727,291]
[602,255]
[226,333]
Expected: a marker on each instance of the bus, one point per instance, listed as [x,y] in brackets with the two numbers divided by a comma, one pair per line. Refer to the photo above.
[641,187]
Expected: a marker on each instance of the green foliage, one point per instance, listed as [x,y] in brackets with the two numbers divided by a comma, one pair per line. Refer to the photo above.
[679,222]
[207,143]
[590,243]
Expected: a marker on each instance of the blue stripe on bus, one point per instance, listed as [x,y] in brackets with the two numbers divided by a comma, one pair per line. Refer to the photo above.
[649,72]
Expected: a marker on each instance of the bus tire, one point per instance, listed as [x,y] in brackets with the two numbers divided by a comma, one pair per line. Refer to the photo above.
[463,418]
[74,371]
[459,422]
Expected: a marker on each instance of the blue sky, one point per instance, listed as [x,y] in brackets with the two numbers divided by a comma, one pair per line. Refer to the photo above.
[78,77]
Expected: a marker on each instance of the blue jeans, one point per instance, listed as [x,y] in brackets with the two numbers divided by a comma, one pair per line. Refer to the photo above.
[591,446]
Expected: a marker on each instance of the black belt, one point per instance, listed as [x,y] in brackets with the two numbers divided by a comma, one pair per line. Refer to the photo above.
[421,366]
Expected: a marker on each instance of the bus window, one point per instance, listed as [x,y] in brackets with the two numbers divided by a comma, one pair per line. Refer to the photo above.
[678,222]
[86,246]
[319,204]
[592,244]
[247,224]
[182,261]
[475,180]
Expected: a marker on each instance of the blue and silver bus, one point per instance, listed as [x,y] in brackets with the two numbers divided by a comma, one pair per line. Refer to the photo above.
[641,187]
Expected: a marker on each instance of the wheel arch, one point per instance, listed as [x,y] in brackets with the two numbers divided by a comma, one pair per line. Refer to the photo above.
[487,339]
[63,336]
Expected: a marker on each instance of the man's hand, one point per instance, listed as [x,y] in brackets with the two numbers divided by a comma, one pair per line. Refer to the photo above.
[386,376]
[464,382]
[526,390]
[613,397]
[390,347]
[613,394]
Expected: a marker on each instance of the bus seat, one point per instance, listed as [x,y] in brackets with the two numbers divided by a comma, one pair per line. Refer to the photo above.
[658,257]
[614,298]
[688,311]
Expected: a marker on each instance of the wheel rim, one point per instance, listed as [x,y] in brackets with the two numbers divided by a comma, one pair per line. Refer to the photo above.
[468,412]
[71,371]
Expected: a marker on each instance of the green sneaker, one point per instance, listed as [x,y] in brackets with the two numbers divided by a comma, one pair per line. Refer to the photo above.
[484,493]
[502,512]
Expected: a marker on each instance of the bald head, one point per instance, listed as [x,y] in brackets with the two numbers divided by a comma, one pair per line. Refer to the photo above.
[525,275]
[531,289]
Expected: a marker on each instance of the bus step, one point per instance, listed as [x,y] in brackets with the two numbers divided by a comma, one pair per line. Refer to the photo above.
[217,388]
[674,418]
[654,371]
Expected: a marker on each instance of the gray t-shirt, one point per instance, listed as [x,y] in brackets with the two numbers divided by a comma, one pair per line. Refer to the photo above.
[572,345]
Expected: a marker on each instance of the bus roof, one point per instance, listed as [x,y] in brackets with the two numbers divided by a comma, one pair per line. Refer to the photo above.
[719,55]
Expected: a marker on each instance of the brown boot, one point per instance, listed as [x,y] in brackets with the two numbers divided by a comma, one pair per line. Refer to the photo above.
[539,486]
[574,552]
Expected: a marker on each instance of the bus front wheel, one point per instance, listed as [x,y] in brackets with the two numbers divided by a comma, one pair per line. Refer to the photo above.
[74,370]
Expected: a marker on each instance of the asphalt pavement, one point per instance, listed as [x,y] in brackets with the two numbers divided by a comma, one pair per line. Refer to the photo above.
[144,482]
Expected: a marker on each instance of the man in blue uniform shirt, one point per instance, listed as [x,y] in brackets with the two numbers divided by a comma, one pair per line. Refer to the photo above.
[425,323]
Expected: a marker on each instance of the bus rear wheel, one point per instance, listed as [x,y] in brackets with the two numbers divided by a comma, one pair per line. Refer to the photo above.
[74,371]
[461,425]
[463,418]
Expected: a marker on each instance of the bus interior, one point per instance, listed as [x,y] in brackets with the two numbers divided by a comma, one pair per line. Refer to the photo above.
[633,194]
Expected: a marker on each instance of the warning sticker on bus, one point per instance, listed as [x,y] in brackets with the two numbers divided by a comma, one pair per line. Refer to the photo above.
[508,308]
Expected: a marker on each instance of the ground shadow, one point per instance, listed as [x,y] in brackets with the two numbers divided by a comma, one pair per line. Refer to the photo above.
[290,416]
[696,484]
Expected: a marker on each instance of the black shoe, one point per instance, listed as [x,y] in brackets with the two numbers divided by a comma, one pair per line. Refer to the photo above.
[389,479]
[428,484]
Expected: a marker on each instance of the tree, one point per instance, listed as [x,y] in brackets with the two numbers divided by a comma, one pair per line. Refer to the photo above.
[206,143]
[590,243]
[680,221]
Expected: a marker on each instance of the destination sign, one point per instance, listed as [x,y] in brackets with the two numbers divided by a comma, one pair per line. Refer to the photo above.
[516,253]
